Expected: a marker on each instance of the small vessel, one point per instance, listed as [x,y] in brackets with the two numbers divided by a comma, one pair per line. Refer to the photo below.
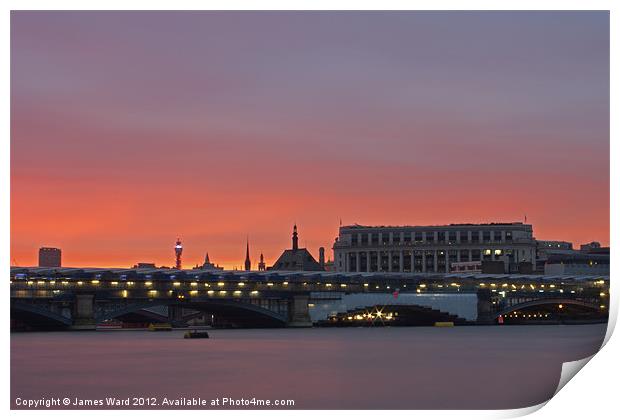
[196,334]
[160,327]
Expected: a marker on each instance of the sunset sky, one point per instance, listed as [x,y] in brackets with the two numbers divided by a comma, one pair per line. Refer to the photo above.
[129,129]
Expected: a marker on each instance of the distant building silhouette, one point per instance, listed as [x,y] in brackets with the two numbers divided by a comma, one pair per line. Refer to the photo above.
[144,265]
[261,263]
[49,257]
[208,265]
[296,259]
[248,263]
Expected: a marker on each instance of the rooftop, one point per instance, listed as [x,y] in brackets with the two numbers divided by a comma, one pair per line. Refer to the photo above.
[358,226]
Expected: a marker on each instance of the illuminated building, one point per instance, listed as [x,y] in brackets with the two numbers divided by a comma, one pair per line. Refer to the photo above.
[433,249]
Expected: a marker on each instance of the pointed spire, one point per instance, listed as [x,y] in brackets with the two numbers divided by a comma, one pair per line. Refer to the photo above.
[248,263]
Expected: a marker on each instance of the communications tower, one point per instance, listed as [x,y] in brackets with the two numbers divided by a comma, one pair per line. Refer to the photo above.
[178,250]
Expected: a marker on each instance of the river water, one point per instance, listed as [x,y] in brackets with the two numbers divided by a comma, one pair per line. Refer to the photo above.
[475,367]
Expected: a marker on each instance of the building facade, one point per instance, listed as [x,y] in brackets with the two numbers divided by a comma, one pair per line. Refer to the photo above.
[546,248]
[49,257]
[577,263]
[432,249]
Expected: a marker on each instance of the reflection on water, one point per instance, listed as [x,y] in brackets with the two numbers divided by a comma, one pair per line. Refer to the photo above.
[333,368]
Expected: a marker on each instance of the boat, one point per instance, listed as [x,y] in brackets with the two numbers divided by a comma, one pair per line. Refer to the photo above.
[196,334]
[160,327]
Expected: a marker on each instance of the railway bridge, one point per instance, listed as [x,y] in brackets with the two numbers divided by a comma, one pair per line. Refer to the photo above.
[82,298]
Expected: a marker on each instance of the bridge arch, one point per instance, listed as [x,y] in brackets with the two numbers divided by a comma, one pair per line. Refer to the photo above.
[547,301]
[244,313]
[38,315]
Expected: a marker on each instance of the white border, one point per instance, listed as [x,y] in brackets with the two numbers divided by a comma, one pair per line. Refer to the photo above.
[591,396]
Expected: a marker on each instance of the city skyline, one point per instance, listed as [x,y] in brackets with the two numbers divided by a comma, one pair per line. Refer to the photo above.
[234,124]
[255,255]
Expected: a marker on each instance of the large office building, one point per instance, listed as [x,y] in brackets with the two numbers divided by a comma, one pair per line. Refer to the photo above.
[49,257]
[432,249]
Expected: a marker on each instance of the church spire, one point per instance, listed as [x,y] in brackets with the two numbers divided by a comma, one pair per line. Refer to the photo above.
[295,239]
[248,264]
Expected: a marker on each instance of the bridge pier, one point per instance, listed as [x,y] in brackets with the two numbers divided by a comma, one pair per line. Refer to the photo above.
[485,313]
[83,313]
[175,315]
[298,313]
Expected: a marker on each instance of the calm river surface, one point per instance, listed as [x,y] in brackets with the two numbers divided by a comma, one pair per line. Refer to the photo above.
[320,368]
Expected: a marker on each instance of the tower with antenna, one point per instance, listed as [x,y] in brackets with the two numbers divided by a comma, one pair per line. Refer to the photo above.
[178,250]
[248,263]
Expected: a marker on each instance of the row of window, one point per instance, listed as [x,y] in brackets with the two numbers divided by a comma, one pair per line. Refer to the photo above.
[422,260]
[464,254]
[430,237]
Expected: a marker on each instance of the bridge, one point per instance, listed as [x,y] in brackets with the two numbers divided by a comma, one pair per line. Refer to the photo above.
[81,298]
